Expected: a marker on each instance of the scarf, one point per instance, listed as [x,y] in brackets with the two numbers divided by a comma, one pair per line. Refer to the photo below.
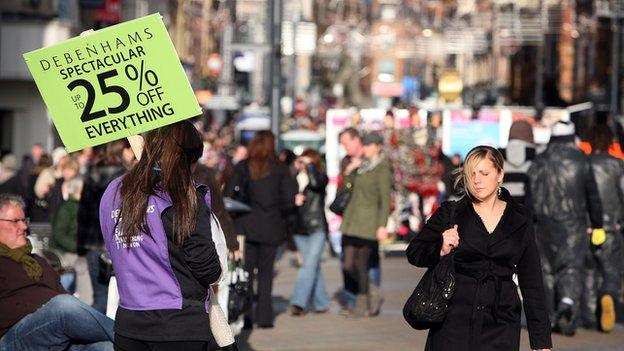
[368,165]
[22,256]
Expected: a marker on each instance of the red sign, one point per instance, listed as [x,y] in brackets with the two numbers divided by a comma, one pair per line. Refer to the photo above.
[110,13]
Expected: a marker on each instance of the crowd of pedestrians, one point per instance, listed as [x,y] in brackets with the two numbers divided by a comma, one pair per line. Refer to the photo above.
[574,201]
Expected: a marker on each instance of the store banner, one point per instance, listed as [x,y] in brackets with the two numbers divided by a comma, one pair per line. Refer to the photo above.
[461,132]
[113,83]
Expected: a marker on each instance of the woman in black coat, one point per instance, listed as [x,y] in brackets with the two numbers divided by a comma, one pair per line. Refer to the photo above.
[494,239]
[270,191]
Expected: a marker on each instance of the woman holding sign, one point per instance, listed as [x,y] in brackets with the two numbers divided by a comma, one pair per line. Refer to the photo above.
[156,225]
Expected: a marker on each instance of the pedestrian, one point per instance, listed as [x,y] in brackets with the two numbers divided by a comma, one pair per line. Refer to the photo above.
[270,192]
[364,220]
[351,141]
[36,313]
[310,233]
[603,275]
[157,229]
[564,195]
[519,155]
[493,238]
[110,162]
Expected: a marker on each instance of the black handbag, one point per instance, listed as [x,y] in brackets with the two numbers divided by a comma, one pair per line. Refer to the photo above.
[340,203]
[429,302]
[240,296]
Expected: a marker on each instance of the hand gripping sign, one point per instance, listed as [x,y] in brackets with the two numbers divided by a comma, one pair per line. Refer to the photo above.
[114,83]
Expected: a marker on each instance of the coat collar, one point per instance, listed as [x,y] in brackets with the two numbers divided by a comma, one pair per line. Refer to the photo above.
[514,218]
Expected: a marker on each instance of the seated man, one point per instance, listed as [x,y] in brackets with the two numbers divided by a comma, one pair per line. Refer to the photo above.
[36,313]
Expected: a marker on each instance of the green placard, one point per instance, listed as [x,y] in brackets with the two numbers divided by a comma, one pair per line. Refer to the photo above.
[113,83]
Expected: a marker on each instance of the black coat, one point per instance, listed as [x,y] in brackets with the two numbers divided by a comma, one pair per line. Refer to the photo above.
[311,215]
[89,232]
[271,199]
[484,313]
[563,186]
[609,174]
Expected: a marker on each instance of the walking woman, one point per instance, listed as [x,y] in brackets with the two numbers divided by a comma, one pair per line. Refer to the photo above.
[270,190]
[310,235]
[494,239]
[364,220]
[156,226]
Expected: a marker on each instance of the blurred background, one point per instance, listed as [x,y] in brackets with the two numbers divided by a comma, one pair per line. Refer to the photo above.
[283,64]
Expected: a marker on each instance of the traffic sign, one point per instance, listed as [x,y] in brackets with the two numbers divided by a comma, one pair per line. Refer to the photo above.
[116,82]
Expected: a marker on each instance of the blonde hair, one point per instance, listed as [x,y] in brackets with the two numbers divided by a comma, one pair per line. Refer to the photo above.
[463,174]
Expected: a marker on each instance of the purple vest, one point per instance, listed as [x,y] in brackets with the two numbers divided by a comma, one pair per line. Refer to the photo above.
[145,278]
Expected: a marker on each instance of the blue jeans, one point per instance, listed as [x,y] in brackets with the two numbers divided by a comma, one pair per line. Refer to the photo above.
[68,281]
[100,291]
[310,284]
[62,323]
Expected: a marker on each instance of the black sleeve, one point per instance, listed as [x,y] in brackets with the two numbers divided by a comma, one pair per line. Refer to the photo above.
[199,250]
[318,180]
[532,287]
[288,189]
[594,205]
[236,179]
[424,249]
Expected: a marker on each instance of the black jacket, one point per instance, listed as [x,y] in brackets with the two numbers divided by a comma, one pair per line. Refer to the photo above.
[89,232]
[311,215]
[271,199]
[484,314]
[609,174]
[563,186]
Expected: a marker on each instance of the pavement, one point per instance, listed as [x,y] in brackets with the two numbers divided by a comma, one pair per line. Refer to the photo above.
[388,331]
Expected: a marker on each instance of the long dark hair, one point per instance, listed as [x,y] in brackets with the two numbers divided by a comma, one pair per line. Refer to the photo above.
[315,157]
[261,153]
[165,165]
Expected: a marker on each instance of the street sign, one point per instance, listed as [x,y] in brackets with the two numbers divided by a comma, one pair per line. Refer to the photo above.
[116,82]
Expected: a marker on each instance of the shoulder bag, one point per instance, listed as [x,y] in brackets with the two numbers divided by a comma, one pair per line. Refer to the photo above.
[340,203]
[428,304]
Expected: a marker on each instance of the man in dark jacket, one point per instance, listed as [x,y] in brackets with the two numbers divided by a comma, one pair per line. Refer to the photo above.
[35,311]
[564,193]
[109,165]
[604,265]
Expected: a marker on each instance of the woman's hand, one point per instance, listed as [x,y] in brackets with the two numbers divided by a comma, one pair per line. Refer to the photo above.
[299,199]
[450,239]
[382,233]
